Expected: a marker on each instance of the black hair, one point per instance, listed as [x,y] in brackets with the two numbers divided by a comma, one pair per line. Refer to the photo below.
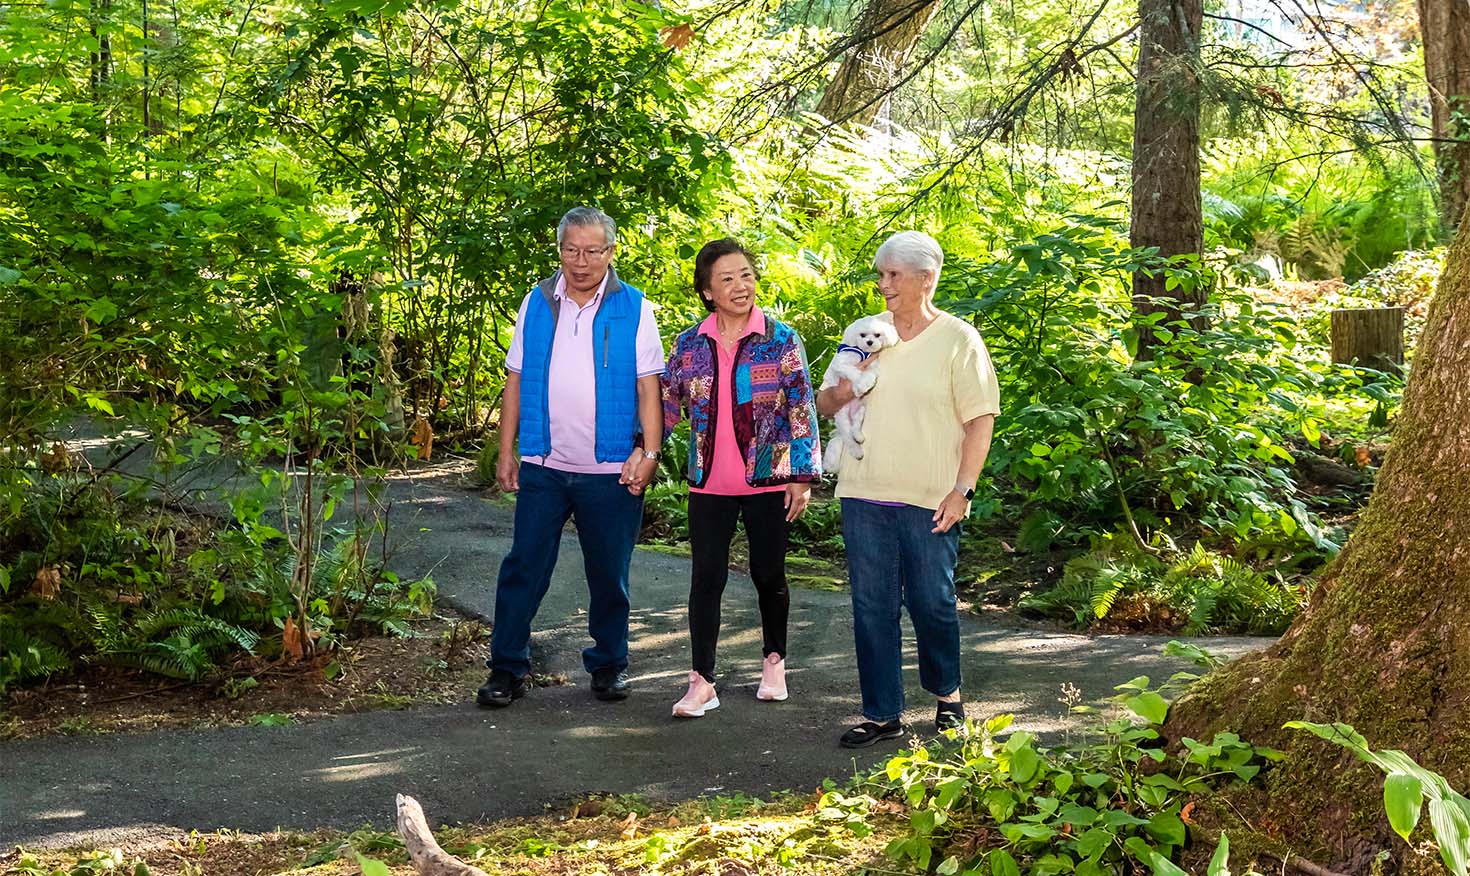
[704,264]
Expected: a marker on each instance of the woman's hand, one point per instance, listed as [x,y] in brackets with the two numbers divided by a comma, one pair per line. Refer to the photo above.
[952,509]
[637,472]
[798,496]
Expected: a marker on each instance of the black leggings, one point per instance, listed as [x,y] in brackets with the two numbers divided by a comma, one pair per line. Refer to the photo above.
[711,527]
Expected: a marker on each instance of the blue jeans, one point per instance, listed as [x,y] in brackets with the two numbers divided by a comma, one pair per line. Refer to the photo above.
[608,518]
[894,560]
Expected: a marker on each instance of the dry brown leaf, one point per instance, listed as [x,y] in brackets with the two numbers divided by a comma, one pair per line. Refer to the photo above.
[673,822]
[48,582]
[58,459]
[129,598]
[422,438]
[677,36]
[292,642]
[1361,455]
[629,826]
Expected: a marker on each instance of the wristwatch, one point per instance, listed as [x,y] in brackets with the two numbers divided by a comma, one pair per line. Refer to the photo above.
[967,492]
[649,454]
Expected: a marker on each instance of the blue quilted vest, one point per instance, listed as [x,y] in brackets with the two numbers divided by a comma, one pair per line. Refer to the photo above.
[614,347]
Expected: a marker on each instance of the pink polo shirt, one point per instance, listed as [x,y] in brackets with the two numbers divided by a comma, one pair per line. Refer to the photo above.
[571,398]
[727,468]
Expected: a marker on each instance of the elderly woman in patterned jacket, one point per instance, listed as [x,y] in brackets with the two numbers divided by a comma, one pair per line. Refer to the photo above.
[753,454]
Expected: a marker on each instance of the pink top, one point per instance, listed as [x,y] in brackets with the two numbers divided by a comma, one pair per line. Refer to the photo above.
[727,468]
[572,379]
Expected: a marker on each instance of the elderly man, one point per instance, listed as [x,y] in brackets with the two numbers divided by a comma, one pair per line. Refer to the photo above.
[582,394]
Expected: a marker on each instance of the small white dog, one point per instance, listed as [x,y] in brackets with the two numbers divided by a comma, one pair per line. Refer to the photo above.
[865,337]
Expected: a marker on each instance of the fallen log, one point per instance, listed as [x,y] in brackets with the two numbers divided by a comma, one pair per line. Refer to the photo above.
[428,858]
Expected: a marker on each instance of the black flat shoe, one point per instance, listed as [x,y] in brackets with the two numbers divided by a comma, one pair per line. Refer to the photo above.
[869,732]
[949,716]
[501,689]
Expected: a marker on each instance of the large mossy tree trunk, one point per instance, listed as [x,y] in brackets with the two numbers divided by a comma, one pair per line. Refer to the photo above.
[884,38]
[1385,643]
[1166,209]
[1445,28]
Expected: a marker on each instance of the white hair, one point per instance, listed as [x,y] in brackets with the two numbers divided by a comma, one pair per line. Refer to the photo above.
[912,249]
[587,217]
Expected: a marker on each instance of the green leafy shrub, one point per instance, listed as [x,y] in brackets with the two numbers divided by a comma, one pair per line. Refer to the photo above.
[1196,593]
[97,573]
[1106,807]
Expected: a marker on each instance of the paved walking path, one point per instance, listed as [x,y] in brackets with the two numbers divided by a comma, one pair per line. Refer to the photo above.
[466,763]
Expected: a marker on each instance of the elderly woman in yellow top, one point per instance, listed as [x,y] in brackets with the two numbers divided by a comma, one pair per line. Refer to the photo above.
[930,417]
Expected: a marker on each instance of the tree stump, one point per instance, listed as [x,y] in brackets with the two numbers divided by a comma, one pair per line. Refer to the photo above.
[1373,337]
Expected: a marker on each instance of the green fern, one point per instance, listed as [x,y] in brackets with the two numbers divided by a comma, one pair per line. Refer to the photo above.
[24,655]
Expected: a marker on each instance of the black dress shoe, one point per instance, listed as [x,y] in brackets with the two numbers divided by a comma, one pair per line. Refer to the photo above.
[502,687]
[610,684]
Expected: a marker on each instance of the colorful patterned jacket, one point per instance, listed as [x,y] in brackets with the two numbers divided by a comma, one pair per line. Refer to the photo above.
[775,414]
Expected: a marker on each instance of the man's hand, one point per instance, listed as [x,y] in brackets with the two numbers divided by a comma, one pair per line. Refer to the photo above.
[798,496]
[508,471]
[952,509]
[638,472]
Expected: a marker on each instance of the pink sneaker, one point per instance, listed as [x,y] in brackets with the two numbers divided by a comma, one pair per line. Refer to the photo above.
[773,679]
[700,698]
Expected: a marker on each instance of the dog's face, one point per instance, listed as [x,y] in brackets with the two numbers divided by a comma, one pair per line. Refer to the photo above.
[870,334]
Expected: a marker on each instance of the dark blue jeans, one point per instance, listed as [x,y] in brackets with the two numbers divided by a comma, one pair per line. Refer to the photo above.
[608,518]
[894,560]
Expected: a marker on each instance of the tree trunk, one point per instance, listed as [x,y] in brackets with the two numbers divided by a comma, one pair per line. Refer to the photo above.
[1385,643]
[885,38]
[1373,337]
[1166,209]
[1445,28]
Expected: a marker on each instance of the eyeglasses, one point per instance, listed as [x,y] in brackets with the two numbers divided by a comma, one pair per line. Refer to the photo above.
[572,253]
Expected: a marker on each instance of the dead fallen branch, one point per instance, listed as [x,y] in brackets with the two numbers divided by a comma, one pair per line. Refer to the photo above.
[428,858]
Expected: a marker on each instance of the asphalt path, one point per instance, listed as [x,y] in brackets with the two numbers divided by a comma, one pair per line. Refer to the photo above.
[558,743]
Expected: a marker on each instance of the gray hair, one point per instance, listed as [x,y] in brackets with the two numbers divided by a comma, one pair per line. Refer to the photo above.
[912,249]
[587,217]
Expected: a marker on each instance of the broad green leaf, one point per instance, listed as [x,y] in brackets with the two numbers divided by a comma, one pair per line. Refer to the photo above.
[948,790]
[1452,832]
[1149,706]
[1024,764]
[1403,800]
[1220,861]
[948,867]
[373,868]
[1166,827]
[1093,842]
[1003,864]
[1162,866]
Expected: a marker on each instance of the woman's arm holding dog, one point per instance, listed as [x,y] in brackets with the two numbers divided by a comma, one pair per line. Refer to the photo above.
[831,399]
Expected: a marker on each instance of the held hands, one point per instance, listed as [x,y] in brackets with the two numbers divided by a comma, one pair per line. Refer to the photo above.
[637,472]
[952,509]
[508,472]
[798,496]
